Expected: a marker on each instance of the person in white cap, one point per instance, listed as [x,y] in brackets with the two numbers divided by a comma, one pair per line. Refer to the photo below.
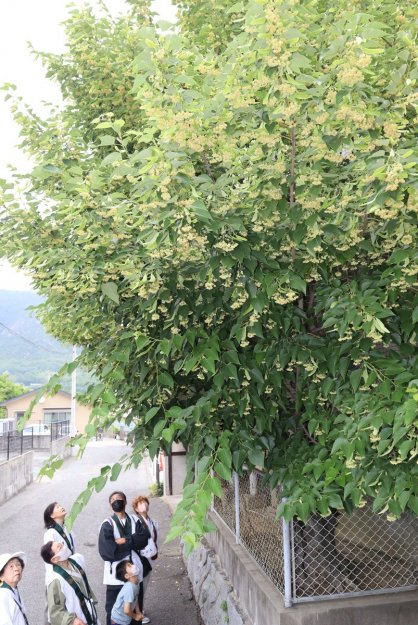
[12,609]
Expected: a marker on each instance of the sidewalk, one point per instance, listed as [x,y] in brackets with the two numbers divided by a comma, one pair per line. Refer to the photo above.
[169,600]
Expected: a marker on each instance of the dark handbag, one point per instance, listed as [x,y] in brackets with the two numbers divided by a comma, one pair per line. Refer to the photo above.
[146,566]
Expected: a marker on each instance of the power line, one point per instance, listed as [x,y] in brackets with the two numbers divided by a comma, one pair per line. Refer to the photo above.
[23,338]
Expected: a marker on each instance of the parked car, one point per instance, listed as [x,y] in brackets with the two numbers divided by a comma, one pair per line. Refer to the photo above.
[38,429]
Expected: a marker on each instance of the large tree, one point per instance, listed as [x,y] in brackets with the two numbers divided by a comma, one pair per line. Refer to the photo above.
[227,225]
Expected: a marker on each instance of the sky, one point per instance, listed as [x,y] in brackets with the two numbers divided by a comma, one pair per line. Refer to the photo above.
[37,21]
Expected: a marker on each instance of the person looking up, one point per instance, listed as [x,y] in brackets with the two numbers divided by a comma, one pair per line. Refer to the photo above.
[12,609]
[126,608]
[121,537]
[149,554]
[70,598]
[54,520]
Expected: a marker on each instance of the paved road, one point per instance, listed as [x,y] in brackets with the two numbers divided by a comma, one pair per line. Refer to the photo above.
[169,599]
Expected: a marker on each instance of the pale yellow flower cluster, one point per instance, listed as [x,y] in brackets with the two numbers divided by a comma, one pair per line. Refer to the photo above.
[331,97]
[395,175]
[239,99]
[356,115]
[315,204]
[412,270]
[350,464]
[363,60]
[392,131]
[349,75]
[240,299]
[225,276]
[284,297]
[322,118]
[190,244]
[286,89]
[226,247]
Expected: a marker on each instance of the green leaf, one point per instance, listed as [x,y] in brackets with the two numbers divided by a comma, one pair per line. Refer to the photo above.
[256,457]
[355,377]
[116,469]
[110,289]
[111,158]
[223,471]
[151,413]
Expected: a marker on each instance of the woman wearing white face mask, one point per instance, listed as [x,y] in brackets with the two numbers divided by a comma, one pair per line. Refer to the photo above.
[70,598]
[54,519]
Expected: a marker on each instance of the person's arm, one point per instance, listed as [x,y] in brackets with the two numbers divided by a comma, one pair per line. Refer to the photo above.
[136,616]
[138,610]
[58,614]
[139,538]
[109,550]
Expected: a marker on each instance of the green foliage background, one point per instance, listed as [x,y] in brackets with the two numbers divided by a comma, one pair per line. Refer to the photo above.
[228,228]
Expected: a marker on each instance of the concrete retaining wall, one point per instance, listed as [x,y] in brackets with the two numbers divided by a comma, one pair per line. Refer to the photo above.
[231,589]
[15,474]
[58,447]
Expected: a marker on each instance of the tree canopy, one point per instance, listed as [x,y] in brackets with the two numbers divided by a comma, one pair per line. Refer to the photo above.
[226,224]
[9,389]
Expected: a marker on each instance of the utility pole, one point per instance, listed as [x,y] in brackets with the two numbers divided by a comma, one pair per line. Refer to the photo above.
[73,428]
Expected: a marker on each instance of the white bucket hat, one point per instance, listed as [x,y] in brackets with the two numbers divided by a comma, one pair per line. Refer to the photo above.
[6,557]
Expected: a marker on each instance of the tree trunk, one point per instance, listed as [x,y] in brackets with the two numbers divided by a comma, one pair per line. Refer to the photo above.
[320,569]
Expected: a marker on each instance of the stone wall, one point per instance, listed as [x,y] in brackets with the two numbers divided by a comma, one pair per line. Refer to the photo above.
[15,474]
[212,590]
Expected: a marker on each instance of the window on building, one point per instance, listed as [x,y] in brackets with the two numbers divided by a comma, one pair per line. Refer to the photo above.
[19,415]
[57,415]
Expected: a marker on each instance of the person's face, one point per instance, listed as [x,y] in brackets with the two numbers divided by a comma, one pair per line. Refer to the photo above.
[58,512]
[12,572]
[131,574]
[142,507]
[117,498]
[56,548]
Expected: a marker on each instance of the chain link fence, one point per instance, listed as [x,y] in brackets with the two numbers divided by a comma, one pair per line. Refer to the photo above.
[340,555]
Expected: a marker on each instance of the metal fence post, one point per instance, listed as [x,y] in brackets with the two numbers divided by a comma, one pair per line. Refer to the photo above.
[236,502]
[287,564]
[8,445]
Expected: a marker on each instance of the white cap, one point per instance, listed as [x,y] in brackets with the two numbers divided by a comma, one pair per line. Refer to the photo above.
[6,557]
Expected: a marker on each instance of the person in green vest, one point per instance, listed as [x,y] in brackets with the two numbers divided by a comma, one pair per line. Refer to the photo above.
[70,598]
[12,609]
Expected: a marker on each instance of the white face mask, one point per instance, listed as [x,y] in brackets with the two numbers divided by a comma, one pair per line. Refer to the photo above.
[134,570]
[64,553]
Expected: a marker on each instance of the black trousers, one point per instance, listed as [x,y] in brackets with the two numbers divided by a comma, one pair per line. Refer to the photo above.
[111,596]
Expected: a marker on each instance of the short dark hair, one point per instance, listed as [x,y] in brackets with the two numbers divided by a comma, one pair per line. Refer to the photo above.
[121,570]
[117,492]
[15,558]
[49,522]
[46,552]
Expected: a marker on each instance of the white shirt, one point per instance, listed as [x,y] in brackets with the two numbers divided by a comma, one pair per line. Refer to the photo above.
[52,534]
[72,603]
[10,613]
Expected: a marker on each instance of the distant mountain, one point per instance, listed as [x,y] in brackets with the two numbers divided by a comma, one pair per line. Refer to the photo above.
[27,352]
